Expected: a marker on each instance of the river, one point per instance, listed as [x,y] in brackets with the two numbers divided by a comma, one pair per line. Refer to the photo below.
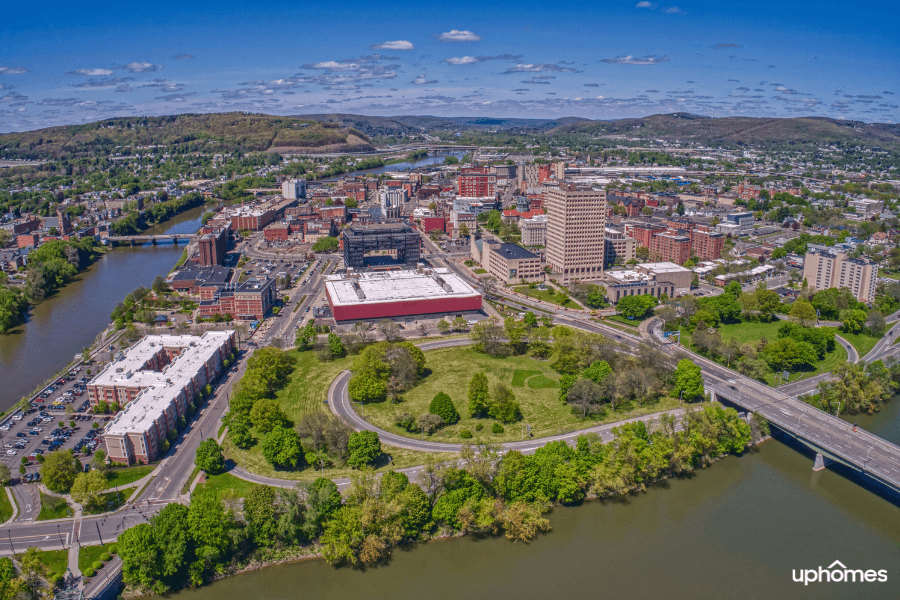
[62,325]
[435,158]
[735,530]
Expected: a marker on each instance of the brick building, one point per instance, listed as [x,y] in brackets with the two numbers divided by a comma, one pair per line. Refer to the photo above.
[707,245]
[670,246]
[249,300]
[478,182]
[156,380]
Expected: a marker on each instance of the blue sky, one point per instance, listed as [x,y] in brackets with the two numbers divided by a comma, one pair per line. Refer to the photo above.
[600,60]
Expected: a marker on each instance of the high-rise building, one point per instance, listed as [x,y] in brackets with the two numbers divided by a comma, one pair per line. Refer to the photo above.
[617,245]
[828,268]
[576,225]
[293,189]
[478,182]
[670,246]
[707,245]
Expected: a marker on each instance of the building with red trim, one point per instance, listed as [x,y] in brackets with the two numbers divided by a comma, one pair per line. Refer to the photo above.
[407,293]
[156,380]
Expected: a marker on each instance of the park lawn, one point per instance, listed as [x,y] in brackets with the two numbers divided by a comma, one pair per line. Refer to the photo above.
[479,271]
[392,458]
[752,332]
[56,561]
[863,342]
[53,510]
[6,509]
[216,484]
[452,368]
[88,555]
[307,392]
[109,501]
[126,475]
[544,295]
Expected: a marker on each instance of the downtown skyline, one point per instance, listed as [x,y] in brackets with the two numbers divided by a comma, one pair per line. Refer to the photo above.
[599,61]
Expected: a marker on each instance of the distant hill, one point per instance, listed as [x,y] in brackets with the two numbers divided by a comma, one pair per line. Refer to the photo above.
[732,131]
[387,126]
[231,132]
[226,132]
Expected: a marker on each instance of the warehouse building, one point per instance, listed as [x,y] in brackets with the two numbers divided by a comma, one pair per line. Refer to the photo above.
[360,240]
[406,293]
[156,380]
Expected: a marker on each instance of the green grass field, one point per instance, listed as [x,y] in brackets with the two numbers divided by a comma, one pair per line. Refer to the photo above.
[56,561]
[624,320]
[533,382]
[126,475]
[110,501]
[53,508]
[88,555]
[752,332]
[307,392]
[6,509]
[861,341]
[216,484]
[544,295]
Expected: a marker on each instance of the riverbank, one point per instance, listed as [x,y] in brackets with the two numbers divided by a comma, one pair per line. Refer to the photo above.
[64,323]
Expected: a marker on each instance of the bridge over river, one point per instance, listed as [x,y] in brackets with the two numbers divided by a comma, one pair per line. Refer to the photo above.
[154,239]
[834,440]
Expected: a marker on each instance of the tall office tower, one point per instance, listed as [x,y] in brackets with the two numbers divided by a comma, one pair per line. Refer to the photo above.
[576,224]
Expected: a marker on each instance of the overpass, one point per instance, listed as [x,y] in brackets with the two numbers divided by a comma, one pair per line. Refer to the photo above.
[833,440]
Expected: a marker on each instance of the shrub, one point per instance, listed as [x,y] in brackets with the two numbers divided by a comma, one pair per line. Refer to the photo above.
[497,428]
[406,421]
[97,565]
[443,407]
[112,549]
[105,557]
[479,427]
[465,434]
[55,580]
[89,572]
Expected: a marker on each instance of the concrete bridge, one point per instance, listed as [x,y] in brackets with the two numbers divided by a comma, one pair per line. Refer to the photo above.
[833,440]
[153,239]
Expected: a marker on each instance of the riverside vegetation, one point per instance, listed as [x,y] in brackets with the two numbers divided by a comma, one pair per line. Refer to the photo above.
[480,494]
[477,492]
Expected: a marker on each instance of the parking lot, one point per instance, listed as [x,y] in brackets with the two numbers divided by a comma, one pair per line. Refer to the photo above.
[48,425]
[277,268]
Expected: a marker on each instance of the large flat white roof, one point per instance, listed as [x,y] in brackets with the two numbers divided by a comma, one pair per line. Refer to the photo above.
[396,286]
[160,387]
[663,267]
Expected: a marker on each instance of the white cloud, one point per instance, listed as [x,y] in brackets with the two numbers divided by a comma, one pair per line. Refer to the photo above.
[395,45]
[182,56]
[538,68]
[332,65]
[673,10]
[422,80]
[462,60]
[141,67]
[455,35]
[13,70]
[645,4]
[92,72]
[636,60]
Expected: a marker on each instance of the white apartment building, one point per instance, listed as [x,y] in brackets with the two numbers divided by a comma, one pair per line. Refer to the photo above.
[293,189]
[824,269]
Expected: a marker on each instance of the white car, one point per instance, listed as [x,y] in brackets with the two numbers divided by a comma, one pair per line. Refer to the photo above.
[4,427]
[12,452]
[18,417]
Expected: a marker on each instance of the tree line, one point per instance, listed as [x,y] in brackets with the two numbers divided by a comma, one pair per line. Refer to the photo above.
[481,493]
